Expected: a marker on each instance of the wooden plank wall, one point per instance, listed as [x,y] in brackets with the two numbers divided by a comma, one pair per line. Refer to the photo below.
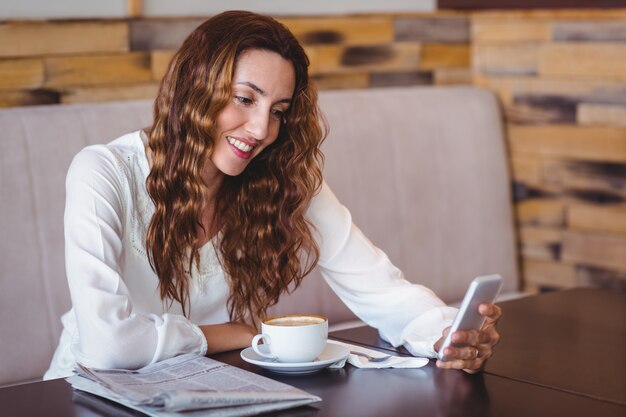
[80,61]
[561,79]
[560,76]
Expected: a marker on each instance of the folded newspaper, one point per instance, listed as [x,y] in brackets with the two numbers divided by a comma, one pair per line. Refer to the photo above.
[193,384]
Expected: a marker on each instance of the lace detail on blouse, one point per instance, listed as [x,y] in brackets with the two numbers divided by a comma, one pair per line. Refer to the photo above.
[143,209]
[209,268]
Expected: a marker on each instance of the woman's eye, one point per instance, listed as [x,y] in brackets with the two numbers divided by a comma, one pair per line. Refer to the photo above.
[244,100]
[278,114]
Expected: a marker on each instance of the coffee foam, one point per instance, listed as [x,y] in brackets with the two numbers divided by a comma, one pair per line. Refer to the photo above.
[295,321]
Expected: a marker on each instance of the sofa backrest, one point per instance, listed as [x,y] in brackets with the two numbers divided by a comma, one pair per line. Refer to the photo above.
[423,171]
[37,145]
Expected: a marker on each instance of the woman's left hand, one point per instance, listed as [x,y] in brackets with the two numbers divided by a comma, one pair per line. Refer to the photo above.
[472,348]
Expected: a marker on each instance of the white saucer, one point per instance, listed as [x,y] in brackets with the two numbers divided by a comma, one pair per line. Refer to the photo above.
[332,353]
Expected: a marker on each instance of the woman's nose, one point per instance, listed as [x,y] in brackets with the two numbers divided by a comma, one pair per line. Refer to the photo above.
[258,124]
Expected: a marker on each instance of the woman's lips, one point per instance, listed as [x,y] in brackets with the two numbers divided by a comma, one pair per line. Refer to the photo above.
[240,147]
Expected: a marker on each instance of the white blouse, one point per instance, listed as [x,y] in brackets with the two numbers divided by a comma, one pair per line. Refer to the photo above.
[118,319]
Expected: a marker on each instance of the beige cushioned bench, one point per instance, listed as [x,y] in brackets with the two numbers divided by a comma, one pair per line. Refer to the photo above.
[423,171]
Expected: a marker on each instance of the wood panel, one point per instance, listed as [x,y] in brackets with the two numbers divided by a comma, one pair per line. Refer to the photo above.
[583,60]
[160,61]
[602,250]
[528,169]
[21,74]
[161,34]
[538,12]
[447,76]
[540,212]
[567,193]
[437,29]
[43,38]
[328,59]
[340,81]
[134,8]
[541,243]
[586,90]
[601,114]
[527,31]
[577,142]
[596,31]
[585,175]
[507,59]
[606,278]
[98,69]
[541,109]
[436,55]
[109,93]
[532,100]
[398,79]
[597,219]
[10,98]
[354,30]
[549,274]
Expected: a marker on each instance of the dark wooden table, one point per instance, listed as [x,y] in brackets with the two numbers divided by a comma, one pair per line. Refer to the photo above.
[511,386]
[573,341]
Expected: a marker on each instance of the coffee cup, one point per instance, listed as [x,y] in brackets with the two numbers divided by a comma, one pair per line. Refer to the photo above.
[292,338]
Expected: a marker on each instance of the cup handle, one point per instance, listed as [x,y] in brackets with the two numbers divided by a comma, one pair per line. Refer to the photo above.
[255,345]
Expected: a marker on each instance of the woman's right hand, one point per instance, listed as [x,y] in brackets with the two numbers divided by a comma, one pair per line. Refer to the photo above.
[227,336]
[473,347]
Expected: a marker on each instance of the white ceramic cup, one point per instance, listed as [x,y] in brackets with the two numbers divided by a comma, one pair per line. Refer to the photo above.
[293,338]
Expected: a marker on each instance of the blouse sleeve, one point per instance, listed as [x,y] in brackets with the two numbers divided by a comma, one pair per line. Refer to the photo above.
[370,285]
[110,333]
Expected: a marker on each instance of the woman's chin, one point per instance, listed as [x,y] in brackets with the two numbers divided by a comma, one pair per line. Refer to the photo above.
[230,168]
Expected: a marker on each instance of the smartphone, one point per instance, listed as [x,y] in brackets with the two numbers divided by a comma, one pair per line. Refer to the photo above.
[482,290]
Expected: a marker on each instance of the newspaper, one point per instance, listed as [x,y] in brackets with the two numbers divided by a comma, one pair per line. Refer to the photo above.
[195,384]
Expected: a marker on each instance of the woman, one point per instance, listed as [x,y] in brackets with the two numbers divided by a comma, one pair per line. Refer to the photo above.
[179,237]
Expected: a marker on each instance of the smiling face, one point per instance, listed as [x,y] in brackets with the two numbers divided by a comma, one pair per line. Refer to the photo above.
[263,84]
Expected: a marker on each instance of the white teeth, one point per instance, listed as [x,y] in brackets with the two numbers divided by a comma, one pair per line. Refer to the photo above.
[239,145]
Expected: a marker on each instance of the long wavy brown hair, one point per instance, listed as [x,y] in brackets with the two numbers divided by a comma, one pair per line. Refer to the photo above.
[265,242]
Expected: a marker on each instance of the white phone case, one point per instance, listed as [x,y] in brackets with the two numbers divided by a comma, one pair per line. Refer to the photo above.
[482,290]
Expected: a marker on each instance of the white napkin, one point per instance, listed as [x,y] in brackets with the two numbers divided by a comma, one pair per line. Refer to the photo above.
[361,362]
